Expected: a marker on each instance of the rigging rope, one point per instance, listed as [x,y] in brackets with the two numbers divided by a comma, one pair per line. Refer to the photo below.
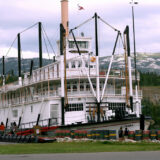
[28,28]
[11,46]
[83,23]
[108,24]
[45,44]
[16,37]
[48,39]
[122,40]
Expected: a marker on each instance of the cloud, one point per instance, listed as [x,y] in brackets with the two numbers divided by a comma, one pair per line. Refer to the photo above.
[25,54]
[20,14]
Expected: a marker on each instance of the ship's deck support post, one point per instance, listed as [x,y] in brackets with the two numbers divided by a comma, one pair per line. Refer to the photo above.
[38,118]
[31,68]
[19,123]
[109,67]
[97,68]
[6,123]
[49,122]
[62,36]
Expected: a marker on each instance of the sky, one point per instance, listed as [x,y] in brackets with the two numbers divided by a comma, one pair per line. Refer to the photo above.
[17,15]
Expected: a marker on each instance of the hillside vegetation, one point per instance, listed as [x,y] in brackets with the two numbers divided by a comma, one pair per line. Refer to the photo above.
[149,79]
[150,83]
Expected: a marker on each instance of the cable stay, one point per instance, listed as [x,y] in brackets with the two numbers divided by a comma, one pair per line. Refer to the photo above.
[122,41]
[16,38]
[28,28]
[11,46]
[89,79]
[115,45]
[108,24]
[48,40]
[83,23]
[109,68]
[45,44]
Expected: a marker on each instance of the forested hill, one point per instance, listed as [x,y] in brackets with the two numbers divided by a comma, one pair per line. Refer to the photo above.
[145,63]
[149,79]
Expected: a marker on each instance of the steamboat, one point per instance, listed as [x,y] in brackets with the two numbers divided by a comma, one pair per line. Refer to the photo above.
[73,91]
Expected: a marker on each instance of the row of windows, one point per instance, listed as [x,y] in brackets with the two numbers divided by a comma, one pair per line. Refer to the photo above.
[114,106]
[75,86]
[81,44]
[82,87]
[74,107]
[78,65]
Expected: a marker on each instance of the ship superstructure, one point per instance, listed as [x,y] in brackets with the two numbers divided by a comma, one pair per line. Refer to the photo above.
[72,89]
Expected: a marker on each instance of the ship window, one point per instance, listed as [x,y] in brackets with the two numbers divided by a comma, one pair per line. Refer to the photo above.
[94,86]
[75,107]
[75,87]
[73,65]
[81,44]
[53,113]
[53,110]
[87,87]
[79,64]
[15,113]
[31,109]
[67,65]
[81,87]
[71,44]
[68,87]
[86,64]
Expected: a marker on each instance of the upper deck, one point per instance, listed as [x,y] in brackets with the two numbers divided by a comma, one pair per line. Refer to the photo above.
[75,69]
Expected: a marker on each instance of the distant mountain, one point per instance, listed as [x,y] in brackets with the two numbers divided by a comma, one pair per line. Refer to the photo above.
[145,63]
[11,65]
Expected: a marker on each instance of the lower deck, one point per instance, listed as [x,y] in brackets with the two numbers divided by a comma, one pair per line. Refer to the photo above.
[43,101]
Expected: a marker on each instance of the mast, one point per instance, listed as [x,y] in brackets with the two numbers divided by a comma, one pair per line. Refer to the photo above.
[97,69]
[135,63]
[126,74]
[40,43]
[19,59]
[126,32]
[3,70]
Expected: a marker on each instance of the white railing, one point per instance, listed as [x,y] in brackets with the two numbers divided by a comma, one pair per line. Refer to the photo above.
[110,92]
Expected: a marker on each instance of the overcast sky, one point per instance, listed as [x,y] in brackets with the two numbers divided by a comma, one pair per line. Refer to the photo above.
[16,15]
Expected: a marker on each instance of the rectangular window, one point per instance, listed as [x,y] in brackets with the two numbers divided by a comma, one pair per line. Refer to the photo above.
[31,109]
[54,111]
[81,44]
[74,107]
[15,113]
[71,44]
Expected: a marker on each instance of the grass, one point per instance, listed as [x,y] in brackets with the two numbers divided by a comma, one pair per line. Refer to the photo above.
[77,147]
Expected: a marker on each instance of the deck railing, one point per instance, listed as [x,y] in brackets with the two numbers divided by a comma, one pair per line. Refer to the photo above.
[110,92]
